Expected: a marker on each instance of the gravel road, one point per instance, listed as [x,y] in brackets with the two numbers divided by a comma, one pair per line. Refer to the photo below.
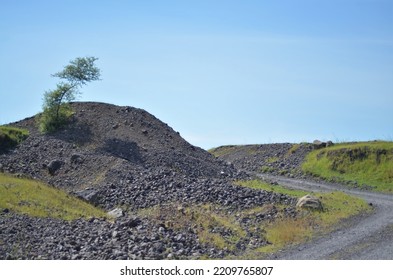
[369,237]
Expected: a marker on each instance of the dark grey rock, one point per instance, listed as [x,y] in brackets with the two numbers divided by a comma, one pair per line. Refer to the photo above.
[54,165]
[317,144]
[77,158]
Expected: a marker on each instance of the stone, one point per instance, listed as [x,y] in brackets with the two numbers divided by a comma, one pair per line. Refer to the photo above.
[317,144]
[76,158]
[320,144]
[309,202]
[134,222]
[54,165]
[116,213]
[89,194]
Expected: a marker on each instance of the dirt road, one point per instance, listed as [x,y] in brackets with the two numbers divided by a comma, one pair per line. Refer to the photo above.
[369,237]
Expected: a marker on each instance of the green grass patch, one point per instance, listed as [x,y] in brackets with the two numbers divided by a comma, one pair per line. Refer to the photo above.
[11,137]
[222,151]
[233,149]
[272,159]
[34,198]
[293,149]
[366,163]
[286,231]
[261,185]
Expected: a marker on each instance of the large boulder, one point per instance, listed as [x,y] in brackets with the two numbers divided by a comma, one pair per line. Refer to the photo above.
[309,202]
[116,213]
[54,165]
[317,144]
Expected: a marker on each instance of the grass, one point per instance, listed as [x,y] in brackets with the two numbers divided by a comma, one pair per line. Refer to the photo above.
[261,185]
[293,149]
[366,163]
[224,229]
[286,231]
[11,137]
[205,220]
[34,198]
[233,149]
[272,159]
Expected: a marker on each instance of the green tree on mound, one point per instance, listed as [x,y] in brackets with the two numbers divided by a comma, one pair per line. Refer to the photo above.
[55,108]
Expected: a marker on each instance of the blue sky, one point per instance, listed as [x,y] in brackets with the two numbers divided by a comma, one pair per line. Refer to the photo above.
[219,72]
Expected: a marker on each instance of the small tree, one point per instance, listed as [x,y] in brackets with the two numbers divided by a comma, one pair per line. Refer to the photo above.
[55,108]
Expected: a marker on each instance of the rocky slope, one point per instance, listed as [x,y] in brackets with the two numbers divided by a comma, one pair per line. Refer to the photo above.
[122,157]
[277,159]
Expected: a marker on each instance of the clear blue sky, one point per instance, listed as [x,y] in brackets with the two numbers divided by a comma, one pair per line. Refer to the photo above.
[219,72]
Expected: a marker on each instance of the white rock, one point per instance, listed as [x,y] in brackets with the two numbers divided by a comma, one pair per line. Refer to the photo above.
[116,213]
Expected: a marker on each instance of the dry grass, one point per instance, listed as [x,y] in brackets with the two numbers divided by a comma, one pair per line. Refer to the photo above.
[289,231]
[205,220]
[286,231]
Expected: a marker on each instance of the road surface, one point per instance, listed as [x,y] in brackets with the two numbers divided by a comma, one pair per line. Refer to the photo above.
[369,237]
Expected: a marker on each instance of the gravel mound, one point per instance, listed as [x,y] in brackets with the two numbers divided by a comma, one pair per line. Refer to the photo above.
[276,159]
[122,157]
[127,238]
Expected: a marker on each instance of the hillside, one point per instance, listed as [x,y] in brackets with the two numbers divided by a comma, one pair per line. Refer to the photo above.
[176,200]
[111,155]
[277,159]
[365,165]
[150,194]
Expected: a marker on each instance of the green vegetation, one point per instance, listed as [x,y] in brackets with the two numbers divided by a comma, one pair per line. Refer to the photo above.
[293,149]
[232,149]
[11,137]
[33,198]
[366,163]
[48,123]
[268,169]
[56,110]
[286,231]
[206,220]
[261,185]
[272,159]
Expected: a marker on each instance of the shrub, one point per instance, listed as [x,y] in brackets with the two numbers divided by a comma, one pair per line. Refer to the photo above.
[56,110]
[11,137]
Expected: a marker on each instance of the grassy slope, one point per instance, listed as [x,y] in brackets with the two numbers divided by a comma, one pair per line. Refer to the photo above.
[233,149]
[26,196]
[367,163]
[287,231]
[11,136]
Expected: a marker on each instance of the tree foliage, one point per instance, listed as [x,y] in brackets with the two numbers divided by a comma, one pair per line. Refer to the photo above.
[56,111]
